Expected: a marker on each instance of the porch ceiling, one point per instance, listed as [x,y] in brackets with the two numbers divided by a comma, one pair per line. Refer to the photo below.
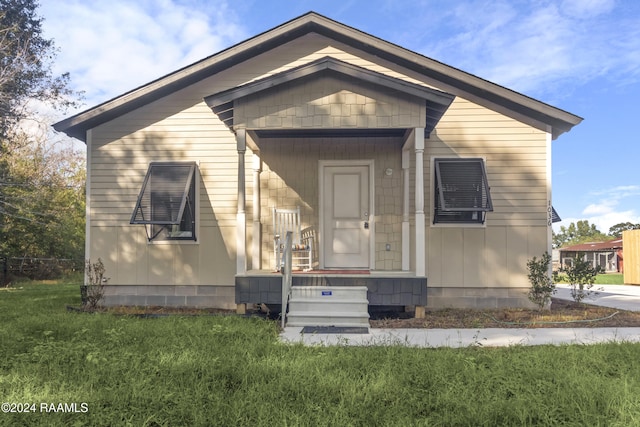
[437,102]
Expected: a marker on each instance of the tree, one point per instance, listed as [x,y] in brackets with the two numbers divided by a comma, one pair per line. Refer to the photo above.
[580,232]
[26,59]
[616,230]
[43,205]
[40,183]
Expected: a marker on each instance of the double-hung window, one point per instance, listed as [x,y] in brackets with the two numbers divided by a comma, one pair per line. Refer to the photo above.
[167,201]
[461,193]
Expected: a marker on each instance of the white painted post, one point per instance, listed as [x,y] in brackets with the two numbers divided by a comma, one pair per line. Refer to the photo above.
[420,217]
[256,261]
[406,237]
[241,216]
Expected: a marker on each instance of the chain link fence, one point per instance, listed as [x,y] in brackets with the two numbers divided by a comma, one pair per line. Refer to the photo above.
[12,268]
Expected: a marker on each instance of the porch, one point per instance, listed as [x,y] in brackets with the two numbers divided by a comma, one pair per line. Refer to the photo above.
[384,288]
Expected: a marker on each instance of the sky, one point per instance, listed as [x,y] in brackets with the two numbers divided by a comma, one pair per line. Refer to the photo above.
[582,56]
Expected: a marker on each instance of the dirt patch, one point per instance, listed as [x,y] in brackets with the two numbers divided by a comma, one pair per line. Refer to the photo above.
[155,311]
[563,314]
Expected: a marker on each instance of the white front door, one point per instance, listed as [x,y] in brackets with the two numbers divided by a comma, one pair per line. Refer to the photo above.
[346,215]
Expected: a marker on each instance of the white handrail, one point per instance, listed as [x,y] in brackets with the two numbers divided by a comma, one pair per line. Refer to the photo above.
[286,276]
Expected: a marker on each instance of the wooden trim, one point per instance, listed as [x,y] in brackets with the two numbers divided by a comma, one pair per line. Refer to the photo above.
[329,64]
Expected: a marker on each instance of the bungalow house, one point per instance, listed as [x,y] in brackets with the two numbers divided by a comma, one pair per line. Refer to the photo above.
[606,255]
[423,184]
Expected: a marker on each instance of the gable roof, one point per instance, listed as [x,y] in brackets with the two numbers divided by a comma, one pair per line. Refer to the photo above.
[437,101]
[456,81]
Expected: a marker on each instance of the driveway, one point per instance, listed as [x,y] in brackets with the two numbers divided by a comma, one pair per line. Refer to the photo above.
[624,297]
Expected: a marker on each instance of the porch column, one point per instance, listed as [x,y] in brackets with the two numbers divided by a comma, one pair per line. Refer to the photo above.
[420,229]
[406,237]
[241,216]
[256,263]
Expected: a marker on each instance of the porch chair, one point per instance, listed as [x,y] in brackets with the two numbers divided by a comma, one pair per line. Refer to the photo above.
[302,243]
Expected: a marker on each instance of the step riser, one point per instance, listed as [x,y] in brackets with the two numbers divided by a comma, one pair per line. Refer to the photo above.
[326,321]
[324,292]
[328,306]
[332,307]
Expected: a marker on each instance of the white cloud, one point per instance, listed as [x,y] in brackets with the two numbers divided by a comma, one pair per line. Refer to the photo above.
[541,47]
[619,192]
[587,8]
[598,209]
[608,207]
[605,221]
[112,46]
[614,208]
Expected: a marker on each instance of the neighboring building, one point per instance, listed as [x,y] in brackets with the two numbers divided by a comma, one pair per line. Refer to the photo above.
[606,255]
[631,241]
[433,182]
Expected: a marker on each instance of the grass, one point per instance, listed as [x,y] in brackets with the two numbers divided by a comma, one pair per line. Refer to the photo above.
[610,279]
[601,279]
[228,370]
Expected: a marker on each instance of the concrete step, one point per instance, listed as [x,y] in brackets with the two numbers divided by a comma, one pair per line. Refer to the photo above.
[329,292]
[328,306]
[335,305]
[311,318]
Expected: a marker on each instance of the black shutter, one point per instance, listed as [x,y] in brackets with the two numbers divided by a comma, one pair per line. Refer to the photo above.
[462,191]
[164,194]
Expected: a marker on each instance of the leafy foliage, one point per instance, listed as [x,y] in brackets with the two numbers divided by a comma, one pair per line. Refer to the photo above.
[616,230]
[42,205]
[41,184]
[581,275]
[576,233]
[26,66]
[542,286]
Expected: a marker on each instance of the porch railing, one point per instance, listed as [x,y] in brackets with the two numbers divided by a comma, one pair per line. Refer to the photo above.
[286,276]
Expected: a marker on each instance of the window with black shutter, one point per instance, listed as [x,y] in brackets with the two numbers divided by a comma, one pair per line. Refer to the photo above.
[461,193]
[166,203]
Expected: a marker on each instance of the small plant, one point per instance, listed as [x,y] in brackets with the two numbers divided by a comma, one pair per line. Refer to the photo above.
[542,286]
[581,275]
[94,288]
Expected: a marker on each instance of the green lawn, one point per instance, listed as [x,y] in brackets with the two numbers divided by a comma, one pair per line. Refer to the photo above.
[610,279]
[601,279]
[233,371]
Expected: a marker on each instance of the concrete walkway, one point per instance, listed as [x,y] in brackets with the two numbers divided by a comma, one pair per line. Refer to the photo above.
[624,297]
[616,296]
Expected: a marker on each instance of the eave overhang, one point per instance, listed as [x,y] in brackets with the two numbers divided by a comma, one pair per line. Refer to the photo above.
[436,101]
[454,81]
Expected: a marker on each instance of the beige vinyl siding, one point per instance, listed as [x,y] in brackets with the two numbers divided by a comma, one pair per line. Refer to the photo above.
[493,256]
[120,154]
[181,127]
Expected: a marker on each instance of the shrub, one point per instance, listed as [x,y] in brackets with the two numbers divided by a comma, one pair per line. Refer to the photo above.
[94,288]
[581,275]
[542,286]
